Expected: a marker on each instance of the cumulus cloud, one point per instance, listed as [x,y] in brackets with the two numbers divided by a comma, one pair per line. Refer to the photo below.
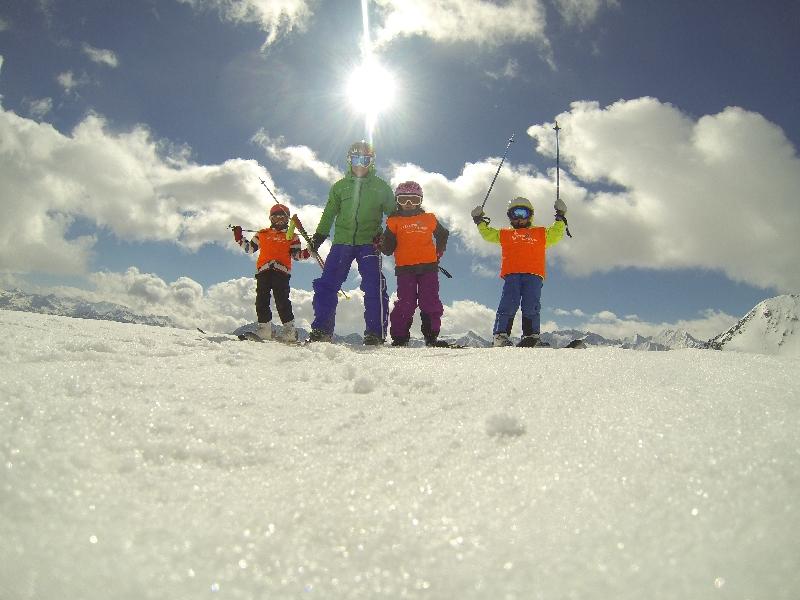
[135,187]
[474,21]
[276,19]
[225,306]
[705,326]
[296,158]
[718,192]
[100,56]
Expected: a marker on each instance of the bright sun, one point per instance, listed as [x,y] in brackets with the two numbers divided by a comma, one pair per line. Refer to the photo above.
[371,90]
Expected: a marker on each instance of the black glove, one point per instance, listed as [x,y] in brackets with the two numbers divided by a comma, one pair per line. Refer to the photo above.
[316,241]
[560,216]
[237,234]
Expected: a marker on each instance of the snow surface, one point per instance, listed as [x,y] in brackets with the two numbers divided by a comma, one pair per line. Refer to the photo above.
[143,462]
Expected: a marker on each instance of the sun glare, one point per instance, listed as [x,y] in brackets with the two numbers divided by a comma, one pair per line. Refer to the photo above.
[371,91]
[371,88]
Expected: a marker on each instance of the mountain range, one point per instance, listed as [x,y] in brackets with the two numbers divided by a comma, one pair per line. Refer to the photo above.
[771,327]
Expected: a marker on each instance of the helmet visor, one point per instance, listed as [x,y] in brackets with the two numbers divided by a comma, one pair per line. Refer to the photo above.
[520,212]
[360,160]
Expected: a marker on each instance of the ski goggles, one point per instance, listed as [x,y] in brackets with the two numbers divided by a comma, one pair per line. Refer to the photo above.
[519,212]
[279,215]
[406,200]
[360,160]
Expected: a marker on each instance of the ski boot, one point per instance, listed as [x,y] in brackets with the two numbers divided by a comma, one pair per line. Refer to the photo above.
[529,341]
[501,340]
[264,331]
[289,332]
[371,339]
[317,335]
[399,341]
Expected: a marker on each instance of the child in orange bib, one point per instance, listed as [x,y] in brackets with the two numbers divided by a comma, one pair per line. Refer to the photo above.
[417,240]
[522,267]
[273,270]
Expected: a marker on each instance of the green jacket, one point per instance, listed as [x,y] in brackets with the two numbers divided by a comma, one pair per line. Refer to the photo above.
[553,234]
[356,207]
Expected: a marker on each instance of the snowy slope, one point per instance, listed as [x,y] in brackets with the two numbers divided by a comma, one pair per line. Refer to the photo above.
[772,327]
[154,463]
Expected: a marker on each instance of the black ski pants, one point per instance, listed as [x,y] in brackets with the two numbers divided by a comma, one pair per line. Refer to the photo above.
[273,283]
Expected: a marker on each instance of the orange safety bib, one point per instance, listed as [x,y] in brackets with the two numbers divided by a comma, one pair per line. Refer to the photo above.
[523,251]
[415,245]
[273,245]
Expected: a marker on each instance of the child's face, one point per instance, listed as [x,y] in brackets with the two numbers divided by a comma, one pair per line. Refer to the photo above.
[279,220]
[408,203]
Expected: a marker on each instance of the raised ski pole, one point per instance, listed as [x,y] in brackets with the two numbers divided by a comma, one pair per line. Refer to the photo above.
[500,166]
[558,175]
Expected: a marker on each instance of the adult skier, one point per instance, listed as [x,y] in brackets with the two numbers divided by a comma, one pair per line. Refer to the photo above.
[355,208]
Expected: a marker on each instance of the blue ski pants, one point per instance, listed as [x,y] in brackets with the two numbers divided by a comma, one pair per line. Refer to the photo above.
[373,284]
[520,289]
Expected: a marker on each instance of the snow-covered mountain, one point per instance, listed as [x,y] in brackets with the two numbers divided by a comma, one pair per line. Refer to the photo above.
[72,307]
[770,328]
[675,339]
[638,342]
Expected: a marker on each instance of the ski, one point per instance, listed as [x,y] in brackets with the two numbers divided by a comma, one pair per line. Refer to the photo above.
[303,234]
[249,336]
[296,224]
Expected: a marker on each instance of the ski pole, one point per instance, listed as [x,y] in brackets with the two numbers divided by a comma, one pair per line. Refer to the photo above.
[510,141]
[247,230]
[558,176]
[445,272]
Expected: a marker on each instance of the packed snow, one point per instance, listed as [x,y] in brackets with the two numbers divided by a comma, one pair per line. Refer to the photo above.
[145,462]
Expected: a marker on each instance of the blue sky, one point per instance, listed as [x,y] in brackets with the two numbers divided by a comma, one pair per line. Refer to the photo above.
[134,132]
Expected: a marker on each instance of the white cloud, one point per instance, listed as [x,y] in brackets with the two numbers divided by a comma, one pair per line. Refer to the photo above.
[70,82]
[227,305]
[561,312]
[100,56]
[581,13]
[296,158]
[708,324]
[126,182]
[276,18]
[718,192]
[40,107]
[474,21]
[509,71]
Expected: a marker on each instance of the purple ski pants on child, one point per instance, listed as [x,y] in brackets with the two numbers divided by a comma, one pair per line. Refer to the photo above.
[416,289]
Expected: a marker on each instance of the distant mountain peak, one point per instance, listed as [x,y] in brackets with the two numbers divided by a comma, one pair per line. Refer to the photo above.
[51,304]
[771,327]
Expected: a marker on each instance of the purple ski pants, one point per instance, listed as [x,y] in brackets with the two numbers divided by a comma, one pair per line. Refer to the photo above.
[417,289]
[373,284]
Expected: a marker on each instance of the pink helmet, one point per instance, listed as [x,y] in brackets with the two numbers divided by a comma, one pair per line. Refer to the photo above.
[408,188]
